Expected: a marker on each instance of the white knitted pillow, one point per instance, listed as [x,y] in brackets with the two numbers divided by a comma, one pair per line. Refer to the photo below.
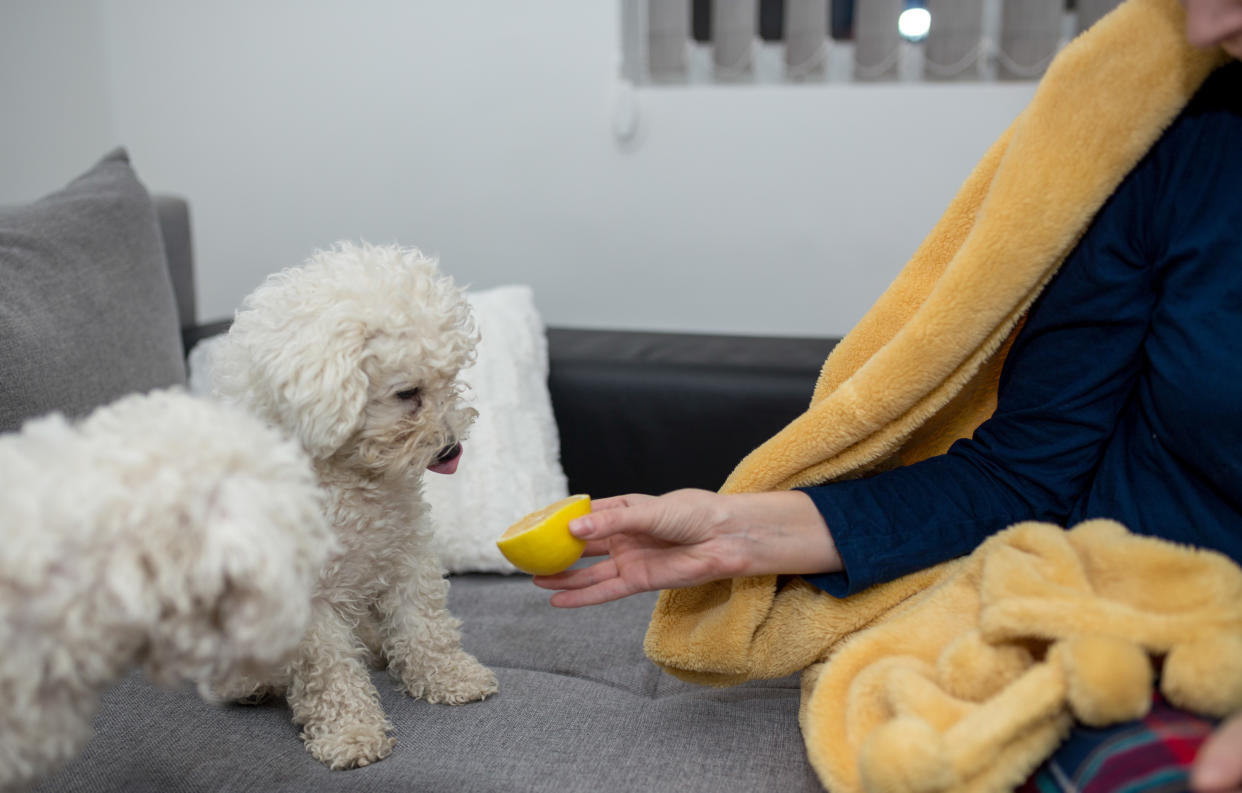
[511,465]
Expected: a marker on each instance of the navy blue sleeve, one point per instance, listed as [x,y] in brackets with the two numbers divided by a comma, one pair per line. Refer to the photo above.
[1065,381]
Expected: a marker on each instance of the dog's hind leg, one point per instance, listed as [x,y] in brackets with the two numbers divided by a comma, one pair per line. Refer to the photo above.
[422,639]
[332,697]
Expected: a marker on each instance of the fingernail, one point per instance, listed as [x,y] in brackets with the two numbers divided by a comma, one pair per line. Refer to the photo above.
[580,527]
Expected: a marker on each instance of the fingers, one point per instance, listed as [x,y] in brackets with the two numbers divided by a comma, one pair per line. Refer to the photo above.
[1219,764]
[603,592]
[578,577]
[585,586]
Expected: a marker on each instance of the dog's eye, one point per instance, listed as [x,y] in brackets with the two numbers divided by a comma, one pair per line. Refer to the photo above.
[408,394]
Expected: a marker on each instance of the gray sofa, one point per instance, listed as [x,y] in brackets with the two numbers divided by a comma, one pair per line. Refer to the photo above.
[579,708]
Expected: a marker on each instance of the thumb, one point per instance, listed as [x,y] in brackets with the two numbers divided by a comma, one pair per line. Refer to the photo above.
[630,518]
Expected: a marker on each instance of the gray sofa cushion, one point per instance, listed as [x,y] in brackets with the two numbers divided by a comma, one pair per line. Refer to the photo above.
[87,313]
[579,709]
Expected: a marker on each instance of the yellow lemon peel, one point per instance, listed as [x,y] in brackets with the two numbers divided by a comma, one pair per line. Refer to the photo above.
[540,543]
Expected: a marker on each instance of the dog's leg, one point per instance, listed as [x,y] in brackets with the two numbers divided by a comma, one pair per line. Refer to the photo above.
[332,697]
[422,639]
[368,632]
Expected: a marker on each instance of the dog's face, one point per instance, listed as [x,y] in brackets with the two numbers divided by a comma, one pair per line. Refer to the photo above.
[356,354]
[414,417]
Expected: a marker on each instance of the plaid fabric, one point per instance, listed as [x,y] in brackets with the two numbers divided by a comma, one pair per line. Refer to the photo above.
[1151,755]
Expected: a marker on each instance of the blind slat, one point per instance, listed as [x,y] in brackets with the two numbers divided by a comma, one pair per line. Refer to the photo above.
[806,37]
[1030,36]
[668,34]
[877,43]
[734,25]
[952,50]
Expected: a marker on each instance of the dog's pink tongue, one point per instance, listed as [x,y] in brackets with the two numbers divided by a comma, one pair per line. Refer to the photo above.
[448,466]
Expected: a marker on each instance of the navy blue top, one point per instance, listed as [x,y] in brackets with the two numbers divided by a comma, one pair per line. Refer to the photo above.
[1121,396]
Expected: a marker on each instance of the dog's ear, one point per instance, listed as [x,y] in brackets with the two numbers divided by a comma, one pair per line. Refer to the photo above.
[306,380]
[323,401]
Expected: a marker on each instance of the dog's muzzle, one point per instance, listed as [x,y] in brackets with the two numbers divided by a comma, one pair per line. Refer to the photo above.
[447,460]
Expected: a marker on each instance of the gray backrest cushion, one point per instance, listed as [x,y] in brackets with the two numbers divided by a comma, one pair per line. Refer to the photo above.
[87,312]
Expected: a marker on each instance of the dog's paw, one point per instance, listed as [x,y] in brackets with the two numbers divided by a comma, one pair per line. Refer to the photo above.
[350,746]
[462,680]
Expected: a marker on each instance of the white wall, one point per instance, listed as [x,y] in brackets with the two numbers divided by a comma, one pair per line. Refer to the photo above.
[54,114]
[481,131]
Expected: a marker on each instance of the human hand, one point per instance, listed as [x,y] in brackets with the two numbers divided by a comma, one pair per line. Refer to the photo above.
[690,537]
[1218,768]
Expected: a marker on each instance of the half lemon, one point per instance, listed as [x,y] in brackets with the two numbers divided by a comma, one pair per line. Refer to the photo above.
[540,543]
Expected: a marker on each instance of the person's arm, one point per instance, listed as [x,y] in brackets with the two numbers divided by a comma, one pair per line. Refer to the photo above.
[1066,382]
[1067,379]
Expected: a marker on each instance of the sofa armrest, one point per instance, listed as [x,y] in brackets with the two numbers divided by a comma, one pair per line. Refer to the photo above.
[653,412]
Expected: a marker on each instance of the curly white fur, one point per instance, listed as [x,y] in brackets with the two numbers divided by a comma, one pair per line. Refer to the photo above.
[163,531]
[356,355]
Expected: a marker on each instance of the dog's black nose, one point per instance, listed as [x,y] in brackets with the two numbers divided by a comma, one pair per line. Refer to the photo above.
[448,453]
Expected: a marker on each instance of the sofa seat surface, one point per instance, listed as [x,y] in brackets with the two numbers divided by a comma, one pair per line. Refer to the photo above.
[580,709]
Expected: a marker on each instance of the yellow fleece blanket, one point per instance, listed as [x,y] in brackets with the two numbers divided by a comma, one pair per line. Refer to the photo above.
[917,684]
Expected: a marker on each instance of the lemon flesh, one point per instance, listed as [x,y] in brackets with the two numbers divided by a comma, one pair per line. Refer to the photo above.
[540,543]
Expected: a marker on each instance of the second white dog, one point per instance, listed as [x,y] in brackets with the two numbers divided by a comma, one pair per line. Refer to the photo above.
[162,532]
[356,355]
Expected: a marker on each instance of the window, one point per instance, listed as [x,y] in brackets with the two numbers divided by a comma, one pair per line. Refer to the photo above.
[782,41]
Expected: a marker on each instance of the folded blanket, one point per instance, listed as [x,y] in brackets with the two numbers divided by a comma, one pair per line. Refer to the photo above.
[918,372]
[970,684]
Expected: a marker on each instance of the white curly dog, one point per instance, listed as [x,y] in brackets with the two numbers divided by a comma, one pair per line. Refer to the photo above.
[356,353]
[162,532]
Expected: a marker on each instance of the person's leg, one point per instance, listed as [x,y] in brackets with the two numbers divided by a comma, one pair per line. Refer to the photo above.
[1151,754]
